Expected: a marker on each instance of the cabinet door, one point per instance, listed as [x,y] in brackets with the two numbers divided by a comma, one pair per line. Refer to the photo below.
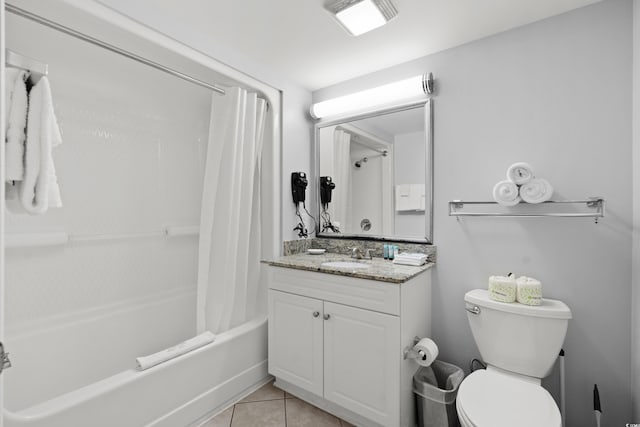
[362,362]
[295,340]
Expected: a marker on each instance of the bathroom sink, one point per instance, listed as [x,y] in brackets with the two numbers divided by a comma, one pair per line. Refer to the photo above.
[345,264]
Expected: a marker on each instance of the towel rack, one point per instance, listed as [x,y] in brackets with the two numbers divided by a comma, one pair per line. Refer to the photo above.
[17,60]
[61,238]
[182,230]
[596,206]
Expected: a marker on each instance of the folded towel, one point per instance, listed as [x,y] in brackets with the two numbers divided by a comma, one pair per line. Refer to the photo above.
[414,263]
[502,288]
[39,188]
[410,197]
[413,255]
[407,258]
[529,291]
[146,362]
[506,193]
[520,173]
[16,122]
[537,190]
[403,191]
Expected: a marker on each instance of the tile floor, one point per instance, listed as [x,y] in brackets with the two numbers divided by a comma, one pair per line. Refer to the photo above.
[271,407]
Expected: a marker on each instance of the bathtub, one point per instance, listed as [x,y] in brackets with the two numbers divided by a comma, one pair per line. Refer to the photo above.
[180,392]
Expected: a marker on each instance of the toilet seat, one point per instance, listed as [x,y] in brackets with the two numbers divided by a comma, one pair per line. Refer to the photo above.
[488,398]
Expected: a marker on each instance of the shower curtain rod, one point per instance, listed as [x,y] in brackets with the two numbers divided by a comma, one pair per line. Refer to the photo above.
[84,37]
[368,147]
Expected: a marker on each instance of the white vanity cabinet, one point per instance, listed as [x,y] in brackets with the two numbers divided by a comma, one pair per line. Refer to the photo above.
[296,340]
[338,342]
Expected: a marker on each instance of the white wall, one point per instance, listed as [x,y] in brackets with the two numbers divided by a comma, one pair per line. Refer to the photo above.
[556,93]
[297,132]
[635,339]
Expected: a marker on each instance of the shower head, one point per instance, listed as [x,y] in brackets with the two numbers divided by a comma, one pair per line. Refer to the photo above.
[359,163]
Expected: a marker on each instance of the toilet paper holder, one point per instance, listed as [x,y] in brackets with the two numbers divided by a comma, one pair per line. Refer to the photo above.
[409,353]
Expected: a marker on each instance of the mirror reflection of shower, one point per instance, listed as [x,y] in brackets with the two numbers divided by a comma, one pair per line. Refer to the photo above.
[361,191]
[358,163]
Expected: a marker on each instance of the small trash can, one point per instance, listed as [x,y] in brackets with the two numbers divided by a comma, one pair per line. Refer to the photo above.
[436,387]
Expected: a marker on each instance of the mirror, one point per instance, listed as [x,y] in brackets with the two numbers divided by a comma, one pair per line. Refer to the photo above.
[375,175]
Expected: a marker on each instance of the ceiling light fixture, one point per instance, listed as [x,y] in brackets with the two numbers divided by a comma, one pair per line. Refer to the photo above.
[360,16]
[390,94]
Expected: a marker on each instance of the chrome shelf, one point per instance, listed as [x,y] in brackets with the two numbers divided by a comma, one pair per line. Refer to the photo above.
[593,207]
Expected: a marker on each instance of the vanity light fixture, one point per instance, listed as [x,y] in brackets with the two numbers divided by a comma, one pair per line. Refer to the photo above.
[361,16]
[408,89]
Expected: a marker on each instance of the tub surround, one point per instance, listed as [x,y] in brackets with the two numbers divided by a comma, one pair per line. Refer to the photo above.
[380,269]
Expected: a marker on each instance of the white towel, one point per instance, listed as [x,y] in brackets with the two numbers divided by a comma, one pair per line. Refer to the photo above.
[15,122]
[520,173]
[403,192]
[408,258]
[410,197]
[146,362]
[537,190]
[506,193]
[39,188]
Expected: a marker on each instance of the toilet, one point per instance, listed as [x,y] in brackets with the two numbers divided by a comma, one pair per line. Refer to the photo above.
[519,343]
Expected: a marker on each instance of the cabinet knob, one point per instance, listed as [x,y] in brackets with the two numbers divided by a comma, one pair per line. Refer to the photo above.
[327,316]
[316,313]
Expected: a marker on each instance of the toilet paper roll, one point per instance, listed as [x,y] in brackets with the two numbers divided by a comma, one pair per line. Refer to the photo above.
[502,288]
[427,351]
[529,291]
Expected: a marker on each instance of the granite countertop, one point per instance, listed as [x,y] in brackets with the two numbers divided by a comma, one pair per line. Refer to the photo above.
[381,269]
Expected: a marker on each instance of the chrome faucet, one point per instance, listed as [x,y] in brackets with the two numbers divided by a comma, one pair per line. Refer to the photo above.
[356,253]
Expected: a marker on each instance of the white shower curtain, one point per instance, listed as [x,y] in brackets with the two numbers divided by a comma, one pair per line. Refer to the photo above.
[229,246]
[342,178]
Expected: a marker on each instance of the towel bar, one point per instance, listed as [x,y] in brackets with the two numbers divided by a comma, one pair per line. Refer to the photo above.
[60,238]
[524,210]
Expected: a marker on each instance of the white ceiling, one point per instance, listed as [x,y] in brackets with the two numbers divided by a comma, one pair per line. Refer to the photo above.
[300,40]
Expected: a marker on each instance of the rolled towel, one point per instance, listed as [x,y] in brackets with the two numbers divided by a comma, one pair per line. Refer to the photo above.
[529,291]
[537,190]
[503,288]
[506,193]
[520,173]
[146,362]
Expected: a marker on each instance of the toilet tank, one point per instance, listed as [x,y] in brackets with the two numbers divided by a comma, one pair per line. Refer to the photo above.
[519,338]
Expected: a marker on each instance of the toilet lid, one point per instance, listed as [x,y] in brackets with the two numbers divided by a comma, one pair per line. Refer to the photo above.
[491,399]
